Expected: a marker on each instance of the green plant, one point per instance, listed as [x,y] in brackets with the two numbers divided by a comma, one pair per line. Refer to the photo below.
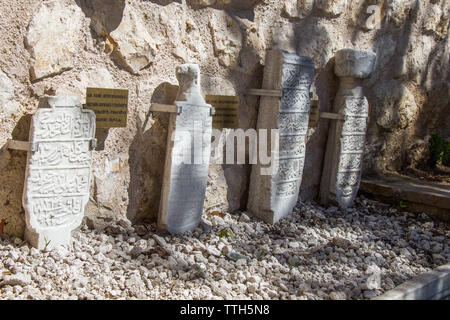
[402,205]
[225,233]
[47,242]
[439,151]
[261,254]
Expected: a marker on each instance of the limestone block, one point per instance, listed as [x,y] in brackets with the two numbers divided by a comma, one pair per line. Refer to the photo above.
[53,37]
[8,105]
[58,172]
[333,8]
[272,197]
[298,8]
[91,77]
[227,38]
[395,106]
[346,138]
[398,11]
[187,156]
[436,19]
[135,46]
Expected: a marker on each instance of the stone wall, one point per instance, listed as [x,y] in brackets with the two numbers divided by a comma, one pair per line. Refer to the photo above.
[61,47]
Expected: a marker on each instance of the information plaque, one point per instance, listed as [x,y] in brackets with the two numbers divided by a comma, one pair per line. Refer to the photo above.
[109,105]
[227,111]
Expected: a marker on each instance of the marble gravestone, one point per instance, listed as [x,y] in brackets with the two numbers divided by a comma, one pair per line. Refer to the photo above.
[187,156]
[346,138]
[272,197]
[58,172]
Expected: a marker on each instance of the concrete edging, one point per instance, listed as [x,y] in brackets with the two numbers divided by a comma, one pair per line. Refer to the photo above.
[433,285]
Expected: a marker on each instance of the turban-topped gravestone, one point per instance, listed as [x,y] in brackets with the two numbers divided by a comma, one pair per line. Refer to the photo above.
[58,173]
[346,139]
[187,156]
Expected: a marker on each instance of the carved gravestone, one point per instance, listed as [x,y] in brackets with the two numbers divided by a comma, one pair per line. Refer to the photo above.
[58,173]
[346,139]
[187,156]
[273,196]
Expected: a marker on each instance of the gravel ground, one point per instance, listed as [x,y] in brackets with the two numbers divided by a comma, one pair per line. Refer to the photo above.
[313,254]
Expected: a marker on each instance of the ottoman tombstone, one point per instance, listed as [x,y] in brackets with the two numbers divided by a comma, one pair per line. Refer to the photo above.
[187,156]
[346,139]
[58,172]
[273,196]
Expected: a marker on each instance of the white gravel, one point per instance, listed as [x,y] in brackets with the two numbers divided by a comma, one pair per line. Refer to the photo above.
[314,254]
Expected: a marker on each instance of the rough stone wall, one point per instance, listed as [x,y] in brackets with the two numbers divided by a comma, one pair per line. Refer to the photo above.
[62,46]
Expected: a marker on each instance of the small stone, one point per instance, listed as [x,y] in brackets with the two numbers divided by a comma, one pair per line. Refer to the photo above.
[342,243]
[369,294]
[251,288]
[160,241]
[140,230]
[139,248]
[294,245]
[213,251]
[126,224]
[16,280]
[338,295]
[205,226]
[244,218]
[235,256]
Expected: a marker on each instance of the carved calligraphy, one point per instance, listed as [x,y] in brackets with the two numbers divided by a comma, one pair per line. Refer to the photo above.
[274,196]
[346,140]
[58,174]
[187,156]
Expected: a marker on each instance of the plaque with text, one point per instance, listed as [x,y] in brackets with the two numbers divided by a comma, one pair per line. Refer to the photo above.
[227,111]
[314,114]
[109,105]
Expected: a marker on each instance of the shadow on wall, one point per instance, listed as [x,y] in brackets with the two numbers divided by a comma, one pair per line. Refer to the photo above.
[316,43]
[106,16]
[147,157]
[409,101]
[12,174]
[107,13]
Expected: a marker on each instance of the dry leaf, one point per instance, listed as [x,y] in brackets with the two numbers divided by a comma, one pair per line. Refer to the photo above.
[217,214]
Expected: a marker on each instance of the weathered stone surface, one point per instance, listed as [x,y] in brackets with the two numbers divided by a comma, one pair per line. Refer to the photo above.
[436,20]
[187,156]
[227,38]
[298,8]
[227,184]
[134,44]
[346,140]
[398,11]
[92,77]
[52,38]
[125,32]
[273,196]
[234,4]
[8,105]
[395,105]
[58,174]
[412,54]
[331,7]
